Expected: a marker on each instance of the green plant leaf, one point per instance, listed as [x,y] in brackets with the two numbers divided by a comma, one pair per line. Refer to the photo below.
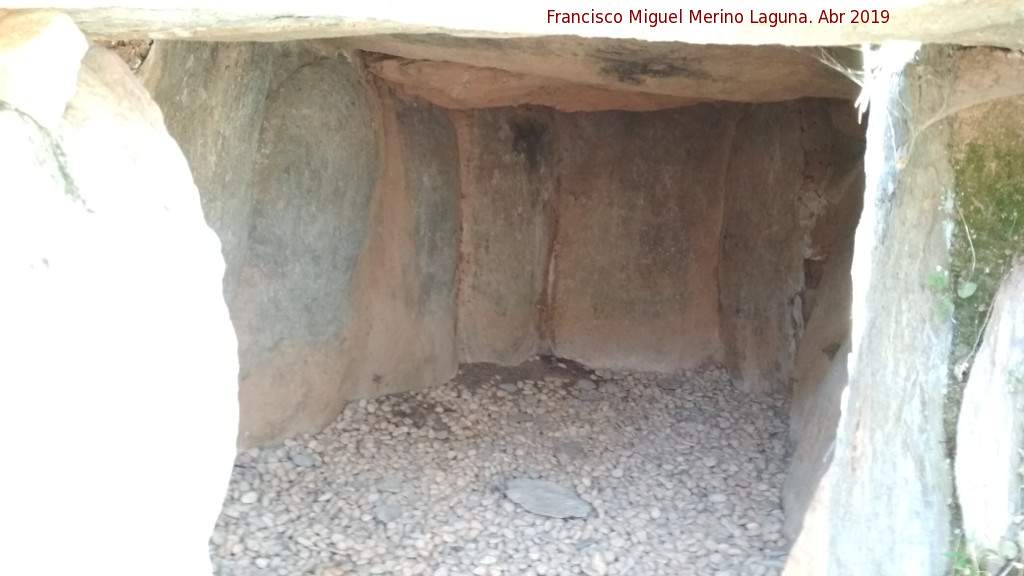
[967,289]
[937,280]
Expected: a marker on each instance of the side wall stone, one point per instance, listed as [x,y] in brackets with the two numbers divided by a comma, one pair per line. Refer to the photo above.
[638,221]
[338,206]
[507,166]
[890,478]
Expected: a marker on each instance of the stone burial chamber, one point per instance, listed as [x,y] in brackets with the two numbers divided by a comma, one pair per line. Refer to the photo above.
[385,219]
[394,207]
[487,299]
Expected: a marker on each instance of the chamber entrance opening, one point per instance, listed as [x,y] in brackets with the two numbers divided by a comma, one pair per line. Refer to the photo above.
[454,265]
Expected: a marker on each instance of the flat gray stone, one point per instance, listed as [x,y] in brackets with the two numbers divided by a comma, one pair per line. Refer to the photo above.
[509,387]
[566,452]
[391,485]
[670,384]
[546,498]
[584,384]
[387,513]
[301,458]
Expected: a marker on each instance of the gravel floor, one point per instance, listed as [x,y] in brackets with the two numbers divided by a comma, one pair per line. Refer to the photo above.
[683,474]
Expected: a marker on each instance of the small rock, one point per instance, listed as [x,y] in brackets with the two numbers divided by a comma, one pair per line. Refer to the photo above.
[718,498]
[567,452]
[391,485]
[589,396]
[585,385]
[546,498]
[301,458]
[387,513]
[509,387]
[249,497]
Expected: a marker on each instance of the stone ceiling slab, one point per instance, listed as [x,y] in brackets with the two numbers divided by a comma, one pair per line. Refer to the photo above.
[644,73]
[969,22]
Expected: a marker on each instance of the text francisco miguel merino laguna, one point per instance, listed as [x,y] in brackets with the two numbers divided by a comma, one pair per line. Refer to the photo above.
[773,19]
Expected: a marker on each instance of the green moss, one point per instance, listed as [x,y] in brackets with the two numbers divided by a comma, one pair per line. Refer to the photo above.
[989,234]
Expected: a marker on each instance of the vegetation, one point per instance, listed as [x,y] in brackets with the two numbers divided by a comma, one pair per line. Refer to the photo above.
[989,235]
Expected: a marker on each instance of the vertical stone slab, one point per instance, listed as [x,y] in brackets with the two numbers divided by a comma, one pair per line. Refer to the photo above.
[431,165]
[118,385]
[761,274]
[990,432]
[508,183]
[638,220]
[813,455]
[890,481]
[828,325]
[401,333]
[316,169]
[212,96]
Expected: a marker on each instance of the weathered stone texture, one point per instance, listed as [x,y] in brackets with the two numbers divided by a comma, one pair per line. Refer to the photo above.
[598,236]
[212,96]
[597,74]
[508,179]
[827,298]
[639,214]
[339,207]
[401,333]
[813,454]
[890,480]
[990,432]
[120,365]
[316,169]
[974,22]
[761,268]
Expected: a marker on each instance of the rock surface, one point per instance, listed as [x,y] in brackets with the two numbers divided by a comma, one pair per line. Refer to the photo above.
[990,431]
[889,475]
[317,164]
[462,87]
[639,215]
[562,253]
[32,38]
[759,291]
[814,451]
[508,182]
[213,97]
[443,457]
[828,300]
[994,22]
[114,334]
[341,265]
[546,498]
[597,74]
